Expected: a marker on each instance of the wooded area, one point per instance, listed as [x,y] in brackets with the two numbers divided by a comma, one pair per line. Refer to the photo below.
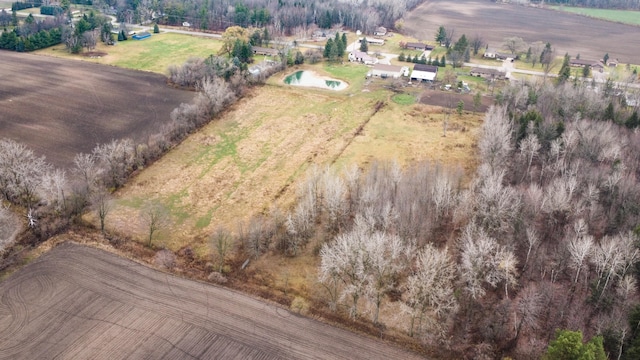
[283,16]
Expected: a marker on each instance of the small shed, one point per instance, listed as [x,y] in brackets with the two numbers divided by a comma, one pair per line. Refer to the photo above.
[424,72]
[257,50]
[141,35]
[380,31]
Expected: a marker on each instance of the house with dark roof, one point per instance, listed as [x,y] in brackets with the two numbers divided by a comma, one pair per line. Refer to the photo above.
[581,62]
[416,46]
[424,72]
[491,74]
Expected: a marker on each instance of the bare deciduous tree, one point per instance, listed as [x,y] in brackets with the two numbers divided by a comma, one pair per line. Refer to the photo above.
[429,295]
[514,44]
[221,242]
[155,217]
[116,158]
[476,43]
[334,193]
[495,142]
[21,172]
[87,169]
[9,226]
[101,202]
[579,247]
[52,189]
[485,262]
[529,148]
[386,258]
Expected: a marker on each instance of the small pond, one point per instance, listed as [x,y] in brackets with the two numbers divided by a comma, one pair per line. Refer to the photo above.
[309,78]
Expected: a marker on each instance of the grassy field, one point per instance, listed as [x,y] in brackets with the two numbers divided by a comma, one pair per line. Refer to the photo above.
[154,54]
[253,157]
[621,16]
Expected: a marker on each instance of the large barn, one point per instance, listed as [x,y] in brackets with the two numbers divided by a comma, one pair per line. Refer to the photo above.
[392,71]
[424,72]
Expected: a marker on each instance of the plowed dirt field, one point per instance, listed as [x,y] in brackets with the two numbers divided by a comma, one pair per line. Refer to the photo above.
[60,107]
[77,302]
[575,34]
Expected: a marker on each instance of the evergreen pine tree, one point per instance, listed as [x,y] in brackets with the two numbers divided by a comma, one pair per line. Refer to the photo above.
[364,45]
[565,70]
[327,48]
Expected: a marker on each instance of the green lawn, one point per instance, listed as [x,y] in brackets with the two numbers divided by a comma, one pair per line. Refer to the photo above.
[404,99]
[621,16]
[154,54]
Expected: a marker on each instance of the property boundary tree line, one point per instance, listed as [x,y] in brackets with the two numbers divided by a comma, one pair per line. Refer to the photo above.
[33,36]
[20,5]
[284,17]
[29,182]
[441,62]
[543,238]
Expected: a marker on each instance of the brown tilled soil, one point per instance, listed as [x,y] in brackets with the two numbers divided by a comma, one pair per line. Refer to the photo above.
[591,38]
[60,107]
[450,99]
[83,303]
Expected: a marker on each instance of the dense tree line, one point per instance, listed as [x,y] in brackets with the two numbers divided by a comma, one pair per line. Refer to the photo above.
[50,198]
[284,16]
[21,5]
[33,35]
[543,237]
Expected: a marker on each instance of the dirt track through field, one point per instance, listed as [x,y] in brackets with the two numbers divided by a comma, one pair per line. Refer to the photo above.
[77,302]
[591,38]
[60,107]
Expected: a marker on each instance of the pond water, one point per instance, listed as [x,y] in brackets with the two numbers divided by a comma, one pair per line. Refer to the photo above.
[309,78]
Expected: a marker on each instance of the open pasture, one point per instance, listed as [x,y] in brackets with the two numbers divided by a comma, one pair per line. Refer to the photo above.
[154,54]
[575,34]
[60,107]
[623,16]
[256,154]
[77,302]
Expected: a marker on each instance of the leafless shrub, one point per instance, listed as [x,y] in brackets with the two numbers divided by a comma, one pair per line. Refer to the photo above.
[21,173]
[217,278]
[221,242]
[9,227]
[496,140]
[165,259]
[117,159]
[429,292]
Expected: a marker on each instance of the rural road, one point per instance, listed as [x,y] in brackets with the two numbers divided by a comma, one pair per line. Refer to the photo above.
[77,302]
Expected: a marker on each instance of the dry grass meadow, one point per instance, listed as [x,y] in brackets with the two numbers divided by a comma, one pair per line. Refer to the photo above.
[254,156]
[154,54]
